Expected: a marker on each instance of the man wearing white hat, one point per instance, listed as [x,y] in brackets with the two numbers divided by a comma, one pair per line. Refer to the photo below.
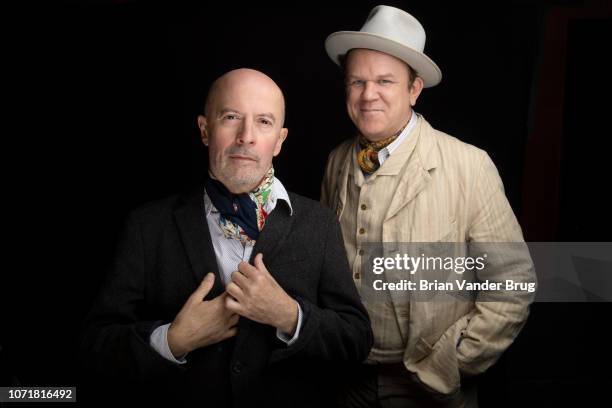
[402,181]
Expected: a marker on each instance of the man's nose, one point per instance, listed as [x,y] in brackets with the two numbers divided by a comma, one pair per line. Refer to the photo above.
[369,91]
[246,135]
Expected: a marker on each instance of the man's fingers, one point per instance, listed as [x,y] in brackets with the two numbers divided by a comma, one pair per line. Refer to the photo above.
[234,291]
[232,305]
[258,262]
[230,333]
[246,269]
[233,320]
[205,287]
[261,268]
[239,279]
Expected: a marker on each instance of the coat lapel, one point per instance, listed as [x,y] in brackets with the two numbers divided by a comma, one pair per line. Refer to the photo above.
[275,231]
[415,174]
[413,181]
[193,229]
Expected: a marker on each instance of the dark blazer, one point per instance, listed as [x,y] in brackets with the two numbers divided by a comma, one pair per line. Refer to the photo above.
[165,253]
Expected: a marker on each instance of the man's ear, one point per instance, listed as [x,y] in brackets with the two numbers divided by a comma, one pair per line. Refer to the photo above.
[203,126]
[281,139]
[415,90]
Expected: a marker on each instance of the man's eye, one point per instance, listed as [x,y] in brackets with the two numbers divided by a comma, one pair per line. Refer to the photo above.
[357,82]
[384,82]
[230,117]
[265,122]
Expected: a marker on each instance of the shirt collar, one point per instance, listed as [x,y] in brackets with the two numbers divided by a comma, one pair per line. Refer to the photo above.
[278,192]
[391,147]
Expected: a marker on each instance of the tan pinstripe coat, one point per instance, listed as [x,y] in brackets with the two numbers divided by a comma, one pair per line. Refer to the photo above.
[449,191]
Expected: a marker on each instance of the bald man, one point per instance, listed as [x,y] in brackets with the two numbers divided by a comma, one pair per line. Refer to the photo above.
[237,294]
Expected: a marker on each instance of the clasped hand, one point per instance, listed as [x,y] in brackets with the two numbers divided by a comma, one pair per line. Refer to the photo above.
[252,293]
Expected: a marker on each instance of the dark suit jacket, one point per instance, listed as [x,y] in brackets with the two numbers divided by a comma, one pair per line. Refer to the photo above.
[165,253]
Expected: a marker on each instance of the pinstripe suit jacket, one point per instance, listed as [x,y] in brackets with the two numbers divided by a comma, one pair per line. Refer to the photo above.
[448,191]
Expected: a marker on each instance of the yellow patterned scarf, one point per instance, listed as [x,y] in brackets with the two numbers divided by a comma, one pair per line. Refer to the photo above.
[367,157]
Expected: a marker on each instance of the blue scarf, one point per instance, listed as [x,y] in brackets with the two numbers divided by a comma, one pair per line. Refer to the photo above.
[237,208]
[242,216]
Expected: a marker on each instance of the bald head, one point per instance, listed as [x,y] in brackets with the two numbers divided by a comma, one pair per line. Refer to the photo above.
[243,128]
[243,80]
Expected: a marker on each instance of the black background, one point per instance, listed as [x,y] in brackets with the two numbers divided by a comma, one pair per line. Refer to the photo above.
[102,98]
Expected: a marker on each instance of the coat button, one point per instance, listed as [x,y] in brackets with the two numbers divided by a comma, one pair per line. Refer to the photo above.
[361,252]
[237,368]
[364,207]
[361,230]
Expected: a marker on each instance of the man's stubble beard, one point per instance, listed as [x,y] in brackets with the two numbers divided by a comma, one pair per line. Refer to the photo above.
[240,177]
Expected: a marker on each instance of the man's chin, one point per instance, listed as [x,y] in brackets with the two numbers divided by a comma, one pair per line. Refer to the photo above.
[372,135]
[371,131]
[242,184]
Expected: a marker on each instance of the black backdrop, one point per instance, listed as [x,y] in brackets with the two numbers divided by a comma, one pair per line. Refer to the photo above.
[103,97]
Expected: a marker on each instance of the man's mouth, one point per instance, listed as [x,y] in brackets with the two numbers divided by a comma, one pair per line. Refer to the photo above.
[241,157]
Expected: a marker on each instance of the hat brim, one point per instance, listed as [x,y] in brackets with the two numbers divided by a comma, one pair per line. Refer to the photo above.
[339,43]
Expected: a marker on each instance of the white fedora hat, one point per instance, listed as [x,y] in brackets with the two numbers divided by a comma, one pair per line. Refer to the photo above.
[394,32]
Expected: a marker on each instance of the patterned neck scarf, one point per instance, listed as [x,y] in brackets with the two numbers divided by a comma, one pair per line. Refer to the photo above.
[367,157]
[242,216]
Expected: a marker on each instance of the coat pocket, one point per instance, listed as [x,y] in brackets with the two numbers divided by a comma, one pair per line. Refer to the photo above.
[438,370]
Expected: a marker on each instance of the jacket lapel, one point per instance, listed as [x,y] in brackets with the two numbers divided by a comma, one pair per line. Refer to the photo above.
[415,174]
[193,228]
[275,231]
